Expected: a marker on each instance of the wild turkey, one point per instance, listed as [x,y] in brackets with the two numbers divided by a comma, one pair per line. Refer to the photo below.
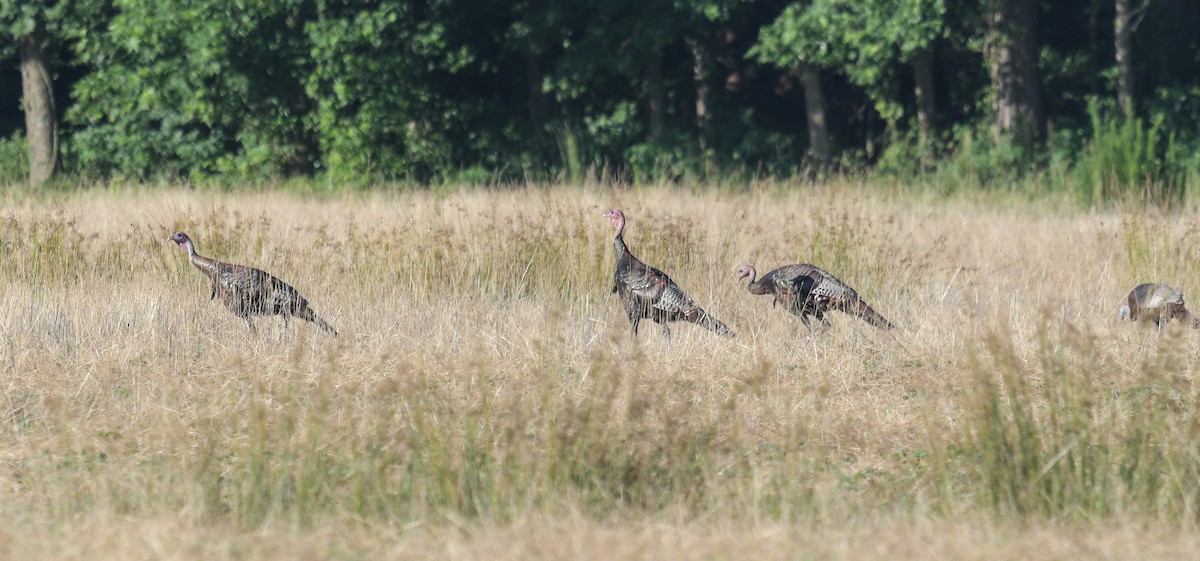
[647,292]
[806,290]
[247,291]
[1158,303]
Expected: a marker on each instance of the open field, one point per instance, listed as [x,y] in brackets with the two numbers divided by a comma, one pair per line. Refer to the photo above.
[485,400]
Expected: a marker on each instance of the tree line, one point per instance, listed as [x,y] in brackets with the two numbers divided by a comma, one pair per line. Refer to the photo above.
[354,90]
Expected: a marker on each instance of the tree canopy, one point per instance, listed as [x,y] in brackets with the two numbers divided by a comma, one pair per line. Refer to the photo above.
[515,89]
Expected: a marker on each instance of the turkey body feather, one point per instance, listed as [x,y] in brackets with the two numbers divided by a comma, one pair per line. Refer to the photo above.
[248,292]
[648,293]
[1158,303]
[807,290]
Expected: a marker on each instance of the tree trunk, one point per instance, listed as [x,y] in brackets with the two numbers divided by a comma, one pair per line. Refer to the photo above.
[533,82]
[1011,50]
[1124,53]
[40,124]
[923,92]
[700,77]
[658,95]
[814,109]
[868,118]
[301,160]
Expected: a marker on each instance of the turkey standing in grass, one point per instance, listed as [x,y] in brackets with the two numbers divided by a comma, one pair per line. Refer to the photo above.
[1158,303]
[247,291]
[647,292]
[807,290]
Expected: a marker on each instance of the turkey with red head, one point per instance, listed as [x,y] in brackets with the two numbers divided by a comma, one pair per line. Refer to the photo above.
[648,293]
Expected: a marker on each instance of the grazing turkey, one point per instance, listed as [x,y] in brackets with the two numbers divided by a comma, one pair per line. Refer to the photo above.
[1158,303]
[807,290]
[247,291]
[647,292]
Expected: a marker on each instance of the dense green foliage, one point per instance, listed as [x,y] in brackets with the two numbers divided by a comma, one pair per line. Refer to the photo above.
[868,42]
[362,90]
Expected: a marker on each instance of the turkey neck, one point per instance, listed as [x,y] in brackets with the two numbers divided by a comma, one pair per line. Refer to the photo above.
[755,286]
[207,266]
[753,275]
[619,247]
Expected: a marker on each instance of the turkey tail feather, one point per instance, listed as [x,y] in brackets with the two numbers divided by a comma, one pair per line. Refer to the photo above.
[309,315]
[324,326]
[713,324]
[868,314]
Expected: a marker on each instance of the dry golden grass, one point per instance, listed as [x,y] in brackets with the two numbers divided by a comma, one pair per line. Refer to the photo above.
[485,399]
[543,538]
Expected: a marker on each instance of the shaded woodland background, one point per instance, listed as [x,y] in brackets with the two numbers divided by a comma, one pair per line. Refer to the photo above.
[1098,97]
